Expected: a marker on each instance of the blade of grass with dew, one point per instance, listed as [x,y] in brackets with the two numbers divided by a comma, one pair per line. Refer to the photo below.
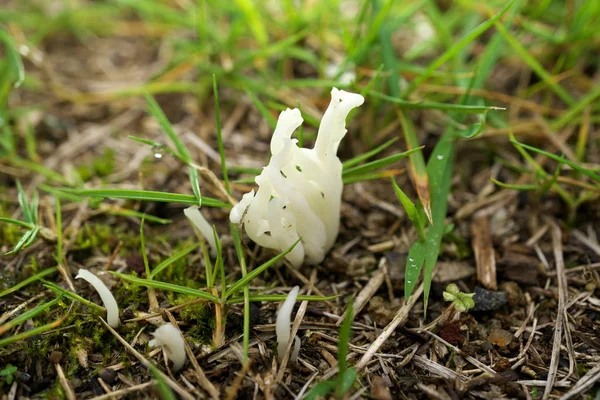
[174,258]
[160,116]
[236,287]
[167,286]
[73,296]
[27,315]
[242,283]
[28,281]
[220,136]
[424,253]
[147,195]
[31,333]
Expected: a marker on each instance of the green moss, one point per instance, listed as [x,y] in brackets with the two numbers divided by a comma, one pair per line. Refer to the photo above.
[199,317]
[99,167]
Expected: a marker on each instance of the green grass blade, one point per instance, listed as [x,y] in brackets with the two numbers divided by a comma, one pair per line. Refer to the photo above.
[455,49]
[220,136]
[167,286]
[344,345]
[147,195]
[25,241]
[534,64]
[241,284]
[14,58]
[73,296]
[365,156]
[174,258]
[279,297]
[377,164]
[236,287]
[560,159]
[16,222]
[31,333]
[410,209]
[514,186]
[432,105]
[27,315]
[182,150]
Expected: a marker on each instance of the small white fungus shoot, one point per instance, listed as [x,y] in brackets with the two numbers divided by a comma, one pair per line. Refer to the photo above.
[193,213]
[300,191]
[112,310]
[282,326]
[168,337]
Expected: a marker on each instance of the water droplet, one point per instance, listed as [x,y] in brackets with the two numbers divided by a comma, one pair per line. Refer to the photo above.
[24,50]
[411,260]
[440,157]
[158,149]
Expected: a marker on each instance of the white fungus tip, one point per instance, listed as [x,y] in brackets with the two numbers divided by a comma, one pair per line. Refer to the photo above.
[169,337]
[112,309]
[282,326]
[195,216]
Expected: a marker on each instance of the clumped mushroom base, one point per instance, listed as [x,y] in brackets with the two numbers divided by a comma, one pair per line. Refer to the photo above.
[300,190]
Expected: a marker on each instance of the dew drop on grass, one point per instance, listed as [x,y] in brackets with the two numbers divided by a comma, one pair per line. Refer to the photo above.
[440,157]
[157,149]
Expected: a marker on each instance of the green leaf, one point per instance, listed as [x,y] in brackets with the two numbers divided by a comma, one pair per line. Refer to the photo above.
[342,384]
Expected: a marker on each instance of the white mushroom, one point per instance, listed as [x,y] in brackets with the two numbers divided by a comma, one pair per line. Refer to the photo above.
[193,213]
[300,190]
[169,338]
[282,326]
[112,310]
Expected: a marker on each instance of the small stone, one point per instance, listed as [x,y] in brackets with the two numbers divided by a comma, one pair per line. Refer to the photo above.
[109,376]
[380,390]
[55,357]
[488,300]
[500,337]
[514,293]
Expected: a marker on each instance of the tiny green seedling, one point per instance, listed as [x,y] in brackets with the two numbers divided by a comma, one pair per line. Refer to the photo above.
[8,373]
[462,301]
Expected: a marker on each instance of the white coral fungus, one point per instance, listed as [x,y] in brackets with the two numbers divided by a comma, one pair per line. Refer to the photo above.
[282,326]
[300,190]
[169,337]
[112,309]
[195,216]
